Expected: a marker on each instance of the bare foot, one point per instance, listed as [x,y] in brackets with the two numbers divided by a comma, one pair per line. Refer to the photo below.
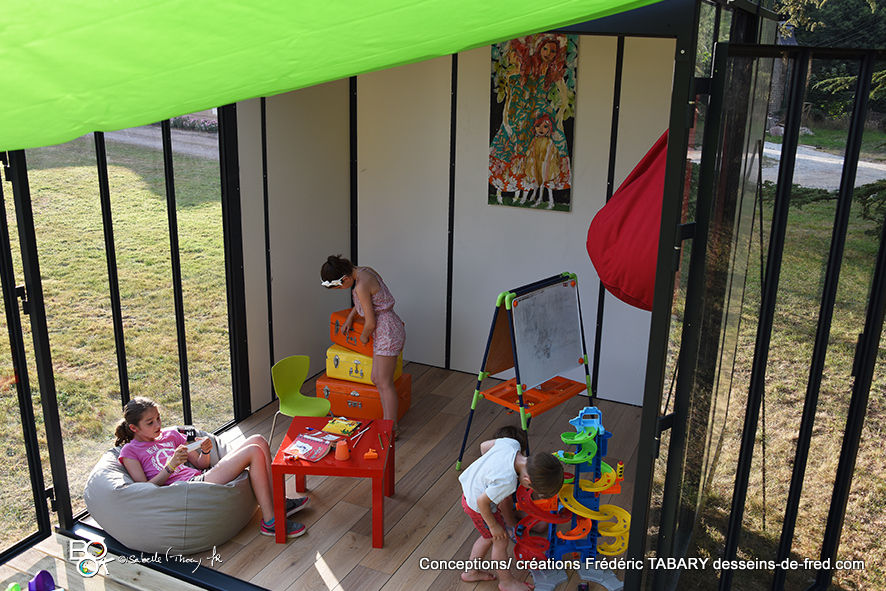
[474,575]
[514,585]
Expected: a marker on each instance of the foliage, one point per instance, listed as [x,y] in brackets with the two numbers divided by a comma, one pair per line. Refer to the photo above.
[847,23]
[195,123]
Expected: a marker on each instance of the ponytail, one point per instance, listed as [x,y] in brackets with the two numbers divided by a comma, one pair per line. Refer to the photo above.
[335,267]
[132,414]
[123,434]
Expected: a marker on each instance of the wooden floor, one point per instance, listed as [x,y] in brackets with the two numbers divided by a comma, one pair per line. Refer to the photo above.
[424,519]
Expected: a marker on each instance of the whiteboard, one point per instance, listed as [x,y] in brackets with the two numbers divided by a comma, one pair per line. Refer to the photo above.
[547,332]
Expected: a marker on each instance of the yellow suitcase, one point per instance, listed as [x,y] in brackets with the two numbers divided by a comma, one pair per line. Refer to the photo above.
[344,364]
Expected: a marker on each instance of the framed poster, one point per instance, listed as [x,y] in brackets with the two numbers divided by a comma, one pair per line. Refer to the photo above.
[532,122]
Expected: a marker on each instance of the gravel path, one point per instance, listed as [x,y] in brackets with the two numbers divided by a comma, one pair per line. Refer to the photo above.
[813,167]
[818,169]
[193,143]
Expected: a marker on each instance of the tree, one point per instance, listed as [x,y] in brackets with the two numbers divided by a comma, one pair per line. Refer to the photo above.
[838,23]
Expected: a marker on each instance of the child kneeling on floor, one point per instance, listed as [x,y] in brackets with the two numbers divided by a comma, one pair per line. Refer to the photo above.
[492,479]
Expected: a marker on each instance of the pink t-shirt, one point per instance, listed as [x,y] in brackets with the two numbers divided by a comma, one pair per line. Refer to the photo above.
[153,455]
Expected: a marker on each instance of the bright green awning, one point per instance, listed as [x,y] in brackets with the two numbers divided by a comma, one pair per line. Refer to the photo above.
[68,68]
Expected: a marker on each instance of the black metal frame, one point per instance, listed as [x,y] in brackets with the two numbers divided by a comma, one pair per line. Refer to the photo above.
[352,148]
[175,258]
[23,391]
[208,578]
[31,295]
[101,158]
[40,335]
[866,350]
[610,188]
[450,222]
[825,315]
[266,218]
[229,165]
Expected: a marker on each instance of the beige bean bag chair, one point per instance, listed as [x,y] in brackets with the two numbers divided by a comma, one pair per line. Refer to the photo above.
[183,517]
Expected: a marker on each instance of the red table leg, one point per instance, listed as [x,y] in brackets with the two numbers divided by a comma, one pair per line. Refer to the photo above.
[300,483]
[279,505]
[378,507]
[389,473]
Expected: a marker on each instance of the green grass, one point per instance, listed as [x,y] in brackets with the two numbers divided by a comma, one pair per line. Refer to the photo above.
[806,246]
[833,141]
[64,191]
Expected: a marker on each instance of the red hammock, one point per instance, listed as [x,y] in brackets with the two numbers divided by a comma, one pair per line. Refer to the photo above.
[623,237]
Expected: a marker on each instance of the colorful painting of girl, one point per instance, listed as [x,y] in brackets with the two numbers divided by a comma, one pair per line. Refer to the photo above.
[533,81]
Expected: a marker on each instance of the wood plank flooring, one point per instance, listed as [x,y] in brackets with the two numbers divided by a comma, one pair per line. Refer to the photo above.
[423,519]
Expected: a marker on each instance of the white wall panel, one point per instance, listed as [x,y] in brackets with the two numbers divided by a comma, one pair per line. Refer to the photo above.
[500,248]
[647,77]
[309,208]
[403,120]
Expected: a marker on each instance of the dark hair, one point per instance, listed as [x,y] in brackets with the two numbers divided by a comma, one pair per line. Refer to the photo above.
[545,474]
[512,432]
[335,267]
[133,411]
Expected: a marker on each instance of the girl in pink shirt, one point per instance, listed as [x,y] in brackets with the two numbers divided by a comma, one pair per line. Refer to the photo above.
[156,455]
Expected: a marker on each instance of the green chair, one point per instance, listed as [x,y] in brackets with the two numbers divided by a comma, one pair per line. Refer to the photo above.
[288,376]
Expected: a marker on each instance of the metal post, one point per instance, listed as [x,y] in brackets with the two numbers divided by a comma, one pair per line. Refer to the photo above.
[767,310]
[825,315]
[104,190]
[232,229]
[175,258]
[40,333]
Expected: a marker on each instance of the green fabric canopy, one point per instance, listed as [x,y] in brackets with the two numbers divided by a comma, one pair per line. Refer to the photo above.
[69,68]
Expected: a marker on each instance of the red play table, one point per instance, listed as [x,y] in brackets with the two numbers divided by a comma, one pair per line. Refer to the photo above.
[381,471]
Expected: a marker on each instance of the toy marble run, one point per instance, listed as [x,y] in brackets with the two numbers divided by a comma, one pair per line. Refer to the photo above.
[587,530]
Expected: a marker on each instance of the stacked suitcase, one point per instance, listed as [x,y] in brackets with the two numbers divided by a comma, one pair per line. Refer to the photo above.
[347,382]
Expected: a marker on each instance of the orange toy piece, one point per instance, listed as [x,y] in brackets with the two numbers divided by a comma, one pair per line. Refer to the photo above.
[370,455]
[532,509]
[581,530]
[537,400]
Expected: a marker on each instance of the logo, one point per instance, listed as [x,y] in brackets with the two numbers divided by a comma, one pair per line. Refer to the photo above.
[91,557]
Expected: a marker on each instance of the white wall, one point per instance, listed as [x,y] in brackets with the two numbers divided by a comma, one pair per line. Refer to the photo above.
[403,119]
[500,248]
[309,212]
[647,76]
[403,131]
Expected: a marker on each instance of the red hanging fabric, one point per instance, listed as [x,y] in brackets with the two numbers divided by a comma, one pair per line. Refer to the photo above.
[623,237]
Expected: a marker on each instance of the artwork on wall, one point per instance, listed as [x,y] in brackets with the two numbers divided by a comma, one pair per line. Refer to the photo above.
[532,121]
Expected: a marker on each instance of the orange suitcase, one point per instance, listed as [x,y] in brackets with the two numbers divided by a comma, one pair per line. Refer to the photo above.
[361,401]
[352,339]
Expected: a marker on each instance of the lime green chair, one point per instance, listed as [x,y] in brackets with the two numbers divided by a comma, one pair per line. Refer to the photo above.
[288,376]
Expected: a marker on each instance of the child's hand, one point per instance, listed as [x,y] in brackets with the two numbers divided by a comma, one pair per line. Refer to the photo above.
[364,337]
[205,445]
[346,327]
[179,457]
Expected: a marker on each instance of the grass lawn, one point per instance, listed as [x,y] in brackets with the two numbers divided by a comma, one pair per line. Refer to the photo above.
[806,246]
[67,213]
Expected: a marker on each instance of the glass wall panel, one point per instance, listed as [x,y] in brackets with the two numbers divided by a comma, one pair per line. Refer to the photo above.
[70,243]
[141,234]
[17,511]
[198,210]
[863,527]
